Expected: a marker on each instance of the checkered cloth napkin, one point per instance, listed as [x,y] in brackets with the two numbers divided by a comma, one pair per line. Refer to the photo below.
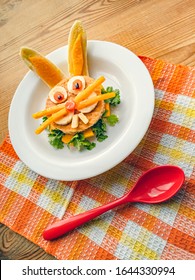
[30,202]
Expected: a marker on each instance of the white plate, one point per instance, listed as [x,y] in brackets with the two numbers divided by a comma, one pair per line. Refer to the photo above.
[123,70]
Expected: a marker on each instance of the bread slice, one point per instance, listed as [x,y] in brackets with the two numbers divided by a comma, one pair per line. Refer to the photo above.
[92,116]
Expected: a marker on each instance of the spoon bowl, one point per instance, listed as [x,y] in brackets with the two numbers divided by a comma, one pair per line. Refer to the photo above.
[157,185]
[154,186]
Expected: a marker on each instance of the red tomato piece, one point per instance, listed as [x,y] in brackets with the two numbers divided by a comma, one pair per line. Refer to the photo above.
[70,105]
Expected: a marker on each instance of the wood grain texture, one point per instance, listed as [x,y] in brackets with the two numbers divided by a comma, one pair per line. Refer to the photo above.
[156,28]
[15,247]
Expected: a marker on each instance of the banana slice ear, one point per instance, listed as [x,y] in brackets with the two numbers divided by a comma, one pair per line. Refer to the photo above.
[77,50]
[42,66]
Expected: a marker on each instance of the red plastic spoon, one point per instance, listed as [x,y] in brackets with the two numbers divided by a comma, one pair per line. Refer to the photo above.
[154,186]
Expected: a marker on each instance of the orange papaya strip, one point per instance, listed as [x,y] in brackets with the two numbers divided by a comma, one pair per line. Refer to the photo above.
[88,133]
[95,99]
[42,66]
[86,92]
[77,33]
[77,56]
[66,138]
[48,111]
[51,119]
[107,108]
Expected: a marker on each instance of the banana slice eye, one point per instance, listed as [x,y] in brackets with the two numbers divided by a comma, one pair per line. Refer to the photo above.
[76,84]
[65,120]
[58,94]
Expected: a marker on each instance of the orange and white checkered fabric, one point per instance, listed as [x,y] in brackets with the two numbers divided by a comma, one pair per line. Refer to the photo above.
[30,202]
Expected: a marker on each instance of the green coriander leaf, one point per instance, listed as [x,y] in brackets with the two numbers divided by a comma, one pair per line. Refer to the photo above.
[114,101]
[55,138]
[100,130]
[109,89]
[103,90]
[81,143]
[44,119]
[112,120]
[104,114]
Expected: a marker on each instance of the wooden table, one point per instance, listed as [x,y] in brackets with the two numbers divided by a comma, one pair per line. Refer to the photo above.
[162,29]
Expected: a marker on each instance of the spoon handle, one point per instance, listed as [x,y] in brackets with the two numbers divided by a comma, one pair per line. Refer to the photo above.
[59,228]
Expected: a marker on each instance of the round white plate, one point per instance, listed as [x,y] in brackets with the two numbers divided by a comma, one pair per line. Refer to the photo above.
[123,70]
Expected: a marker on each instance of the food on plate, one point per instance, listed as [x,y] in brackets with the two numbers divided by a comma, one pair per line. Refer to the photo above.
[87,116]
[77,108]
[77,50]
[42,66]
[87,107]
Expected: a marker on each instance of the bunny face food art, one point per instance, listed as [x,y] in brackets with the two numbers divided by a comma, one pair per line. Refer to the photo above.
[77,108]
